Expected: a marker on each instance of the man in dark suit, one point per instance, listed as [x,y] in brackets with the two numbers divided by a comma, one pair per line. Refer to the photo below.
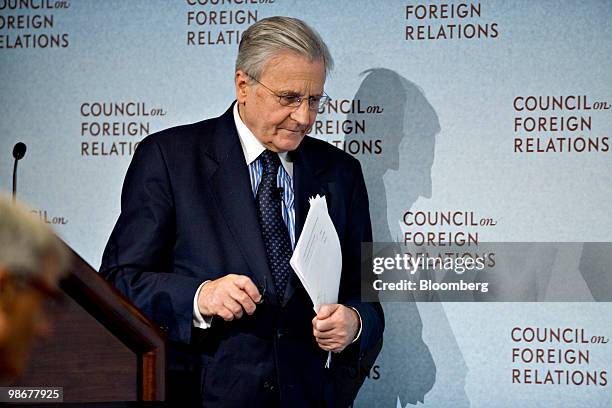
[210,214]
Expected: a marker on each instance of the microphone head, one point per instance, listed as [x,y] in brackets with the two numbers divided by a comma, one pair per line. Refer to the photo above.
[19,150]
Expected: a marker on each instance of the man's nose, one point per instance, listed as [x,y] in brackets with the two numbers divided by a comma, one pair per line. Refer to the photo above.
[302,114]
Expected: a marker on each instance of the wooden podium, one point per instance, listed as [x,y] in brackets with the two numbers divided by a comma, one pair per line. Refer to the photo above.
[102,348]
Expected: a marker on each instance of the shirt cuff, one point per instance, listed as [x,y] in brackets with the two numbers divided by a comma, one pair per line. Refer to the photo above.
[358,335]
[198,320]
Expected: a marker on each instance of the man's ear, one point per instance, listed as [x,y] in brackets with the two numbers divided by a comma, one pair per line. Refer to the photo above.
[242,86]
[6,290]
[6,293]
[4,279]
[4,326]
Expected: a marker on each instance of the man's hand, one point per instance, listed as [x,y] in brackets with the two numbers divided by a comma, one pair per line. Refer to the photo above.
[228,297]
[335,327]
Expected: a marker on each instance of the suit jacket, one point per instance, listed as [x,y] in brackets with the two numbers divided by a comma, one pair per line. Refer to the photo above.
[188,215]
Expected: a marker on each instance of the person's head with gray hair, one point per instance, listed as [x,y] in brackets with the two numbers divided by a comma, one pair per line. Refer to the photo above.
[272,36]
[32,259]
[281,69]
[26,243]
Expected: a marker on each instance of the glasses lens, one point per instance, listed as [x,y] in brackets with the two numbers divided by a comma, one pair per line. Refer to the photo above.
[290,100]
[314,102]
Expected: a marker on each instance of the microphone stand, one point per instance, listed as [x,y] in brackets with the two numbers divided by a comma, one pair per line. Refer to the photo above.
[15,180]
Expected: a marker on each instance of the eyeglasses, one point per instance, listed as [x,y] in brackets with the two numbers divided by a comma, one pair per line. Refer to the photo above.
[315,103]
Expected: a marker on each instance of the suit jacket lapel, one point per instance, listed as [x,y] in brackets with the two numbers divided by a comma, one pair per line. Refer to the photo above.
[229,180]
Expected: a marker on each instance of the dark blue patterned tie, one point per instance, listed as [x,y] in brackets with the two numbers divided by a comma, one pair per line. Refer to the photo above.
[274,231]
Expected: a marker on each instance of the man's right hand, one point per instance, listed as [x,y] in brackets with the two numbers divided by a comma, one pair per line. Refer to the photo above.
[228,297]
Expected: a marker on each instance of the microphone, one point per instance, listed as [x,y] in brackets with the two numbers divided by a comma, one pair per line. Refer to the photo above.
[19,150]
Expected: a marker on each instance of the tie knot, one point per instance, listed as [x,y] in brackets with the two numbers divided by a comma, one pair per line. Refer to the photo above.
[269,161]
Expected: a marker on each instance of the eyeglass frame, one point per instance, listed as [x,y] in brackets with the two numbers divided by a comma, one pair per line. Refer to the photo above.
[323,99]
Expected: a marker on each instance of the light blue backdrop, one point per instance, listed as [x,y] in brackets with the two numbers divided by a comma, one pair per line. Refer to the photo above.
[446,135]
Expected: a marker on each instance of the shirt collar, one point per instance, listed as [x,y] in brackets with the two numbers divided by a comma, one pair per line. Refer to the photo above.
[252,148]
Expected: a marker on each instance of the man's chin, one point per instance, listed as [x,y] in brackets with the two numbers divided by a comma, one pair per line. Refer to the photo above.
[289,143]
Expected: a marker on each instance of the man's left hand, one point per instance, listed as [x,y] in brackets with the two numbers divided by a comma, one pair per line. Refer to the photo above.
[335,327]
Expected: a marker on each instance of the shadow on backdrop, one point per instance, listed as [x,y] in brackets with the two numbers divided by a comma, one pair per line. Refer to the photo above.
[395,179]
[595,268]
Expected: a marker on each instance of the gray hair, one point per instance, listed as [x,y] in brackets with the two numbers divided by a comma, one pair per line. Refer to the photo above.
[26,243]
[274,35]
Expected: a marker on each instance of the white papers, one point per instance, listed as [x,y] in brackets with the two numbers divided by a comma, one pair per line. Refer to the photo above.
[317,258]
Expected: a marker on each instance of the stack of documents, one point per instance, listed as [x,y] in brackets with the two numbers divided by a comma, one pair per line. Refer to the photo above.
[317,258]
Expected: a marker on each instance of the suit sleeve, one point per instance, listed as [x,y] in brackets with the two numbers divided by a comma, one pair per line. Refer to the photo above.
[138,258]
[359,229]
